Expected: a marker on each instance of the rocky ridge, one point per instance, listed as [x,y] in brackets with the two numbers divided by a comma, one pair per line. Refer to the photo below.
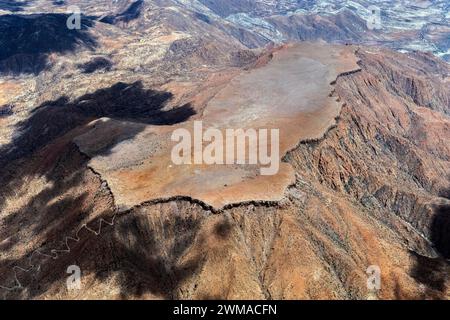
[345,211]
[373,191]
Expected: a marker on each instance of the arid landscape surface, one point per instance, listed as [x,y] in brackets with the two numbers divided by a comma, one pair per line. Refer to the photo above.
[87,179]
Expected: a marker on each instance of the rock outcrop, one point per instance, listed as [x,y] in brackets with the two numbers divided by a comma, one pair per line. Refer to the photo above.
[367,176]
[368,193]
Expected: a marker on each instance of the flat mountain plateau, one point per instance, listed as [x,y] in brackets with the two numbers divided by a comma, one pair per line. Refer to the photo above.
[292,93]
[85,174]
[344,211]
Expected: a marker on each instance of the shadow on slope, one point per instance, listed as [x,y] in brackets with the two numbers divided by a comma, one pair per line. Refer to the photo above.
[434,273]
[13,5]
[27,40]
[42,150]
[121,101]
[42,146]
[142,255]
[149,254]
[96,64]
[132,12]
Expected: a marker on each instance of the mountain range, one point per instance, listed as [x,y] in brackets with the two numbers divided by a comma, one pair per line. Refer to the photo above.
[359,90]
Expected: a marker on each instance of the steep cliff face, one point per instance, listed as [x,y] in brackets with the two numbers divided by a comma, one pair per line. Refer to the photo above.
[389,154]
[393,128]
[373,191]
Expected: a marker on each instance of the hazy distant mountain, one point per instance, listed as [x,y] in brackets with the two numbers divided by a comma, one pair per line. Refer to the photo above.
[404,25]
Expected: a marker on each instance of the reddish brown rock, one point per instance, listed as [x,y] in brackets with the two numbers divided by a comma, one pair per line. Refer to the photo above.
[373,191]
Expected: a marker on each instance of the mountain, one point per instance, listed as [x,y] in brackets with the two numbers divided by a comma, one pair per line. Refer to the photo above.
[86,118]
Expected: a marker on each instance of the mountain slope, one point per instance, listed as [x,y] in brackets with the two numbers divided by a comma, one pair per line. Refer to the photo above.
[371,189]
[367,193]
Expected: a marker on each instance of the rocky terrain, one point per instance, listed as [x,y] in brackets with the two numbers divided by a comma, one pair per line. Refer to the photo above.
[291,92]
[365,149]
